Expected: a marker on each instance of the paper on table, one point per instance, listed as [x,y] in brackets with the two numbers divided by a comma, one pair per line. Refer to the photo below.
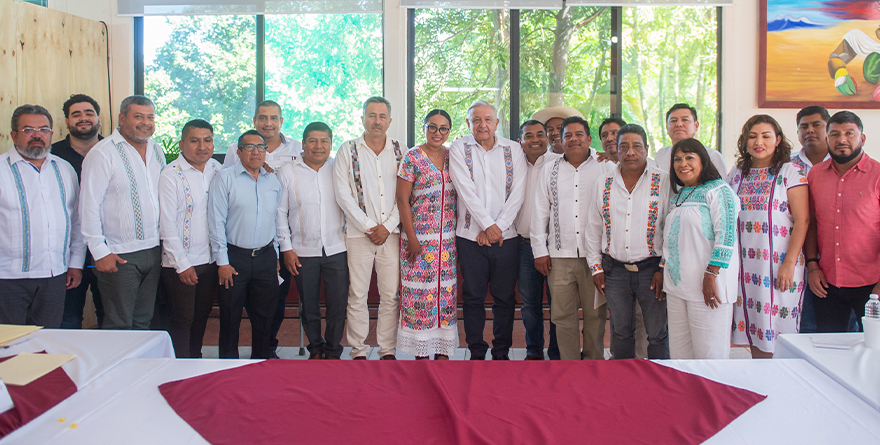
[9,332]
[6,403]
[27,367]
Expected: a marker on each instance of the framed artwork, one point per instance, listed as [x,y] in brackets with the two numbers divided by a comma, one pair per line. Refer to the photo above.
[821,52]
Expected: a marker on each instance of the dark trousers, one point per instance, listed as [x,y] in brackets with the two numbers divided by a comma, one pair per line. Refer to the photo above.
[834,311]
[32,301]
[623,289]
[129,294]
[283,290]
[333,271]
[255,286]
[75,299]
[530,287]
[190,308]
[494,269]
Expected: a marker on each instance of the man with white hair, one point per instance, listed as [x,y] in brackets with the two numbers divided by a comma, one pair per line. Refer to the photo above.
[489,174]
[41,252]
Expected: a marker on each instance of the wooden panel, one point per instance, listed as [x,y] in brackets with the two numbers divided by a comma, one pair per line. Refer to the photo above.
[55,55]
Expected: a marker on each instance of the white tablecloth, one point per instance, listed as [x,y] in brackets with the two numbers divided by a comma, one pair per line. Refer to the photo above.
[856,368]
[97,351]
[125,406]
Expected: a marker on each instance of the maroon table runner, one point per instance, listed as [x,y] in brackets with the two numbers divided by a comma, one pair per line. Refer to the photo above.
[35,398]
[626,401]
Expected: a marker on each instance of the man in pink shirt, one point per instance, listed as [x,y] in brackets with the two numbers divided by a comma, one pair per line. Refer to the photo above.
[843,243]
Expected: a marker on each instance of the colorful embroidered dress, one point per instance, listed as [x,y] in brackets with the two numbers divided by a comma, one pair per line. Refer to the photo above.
[428,286]
[762,312]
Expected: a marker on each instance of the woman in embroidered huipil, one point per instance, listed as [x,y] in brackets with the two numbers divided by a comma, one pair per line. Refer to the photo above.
[773,221]
[428,281]
[700,267]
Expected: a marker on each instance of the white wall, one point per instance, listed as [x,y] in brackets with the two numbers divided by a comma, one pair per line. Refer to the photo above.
[740,83]
[739,67]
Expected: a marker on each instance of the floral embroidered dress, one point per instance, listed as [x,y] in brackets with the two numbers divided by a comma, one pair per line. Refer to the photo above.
[428,286]
[762,312]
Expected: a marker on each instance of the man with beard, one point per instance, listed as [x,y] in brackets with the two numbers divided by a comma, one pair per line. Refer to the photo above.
[531,283]
[843,241]
[42,251]
[82,117]
[120,213]
[552,118]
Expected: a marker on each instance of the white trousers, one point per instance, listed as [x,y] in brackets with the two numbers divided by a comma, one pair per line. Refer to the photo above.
[696,331]
[362,256]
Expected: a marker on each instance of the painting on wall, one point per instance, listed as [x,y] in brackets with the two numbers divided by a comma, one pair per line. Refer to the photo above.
[820,52]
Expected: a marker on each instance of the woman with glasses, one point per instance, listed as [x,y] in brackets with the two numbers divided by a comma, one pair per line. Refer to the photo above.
[428,280]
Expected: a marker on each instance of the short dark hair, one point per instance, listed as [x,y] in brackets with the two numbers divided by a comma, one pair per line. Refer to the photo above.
[811,110]
[376,100]
[249,133]
[633,129]
[267,103]
[317,126]
[433,113]
[576,120]
[135,100]
[611,120]
[29,109]
[691,145]
[78,98]
[683,106]
[522,128]
[845,117]
[195,123]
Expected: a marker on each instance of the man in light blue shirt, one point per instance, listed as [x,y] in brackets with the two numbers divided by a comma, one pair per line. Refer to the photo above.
[242,203]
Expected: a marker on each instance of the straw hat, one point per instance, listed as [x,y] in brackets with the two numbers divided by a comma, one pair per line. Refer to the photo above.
[561,112]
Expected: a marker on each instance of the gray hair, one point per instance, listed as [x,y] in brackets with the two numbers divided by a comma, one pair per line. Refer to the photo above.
[135,100]
[29,109]
[377,100]
[480,103]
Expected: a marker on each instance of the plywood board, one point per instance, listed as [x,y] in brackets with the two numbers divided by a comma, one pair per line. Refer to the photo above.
[51,56]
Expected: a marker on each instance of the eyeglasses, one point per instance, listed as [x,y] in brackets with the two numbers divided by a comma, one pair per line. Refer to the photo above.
[251,147]
[433,129]
[29,131]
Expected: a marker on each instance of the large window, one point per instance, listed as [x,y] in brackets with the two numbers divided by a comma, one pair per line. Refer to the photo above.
[318,67]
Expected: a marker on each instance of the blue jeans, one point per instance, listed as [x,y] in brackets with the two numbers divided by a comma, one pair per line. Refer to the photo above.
[530,288]
[75,301]
[808,315]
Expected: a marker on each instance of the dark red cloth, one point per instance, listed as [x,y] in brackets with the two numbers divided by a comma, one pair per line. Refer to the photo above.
[35,398]
[626,401]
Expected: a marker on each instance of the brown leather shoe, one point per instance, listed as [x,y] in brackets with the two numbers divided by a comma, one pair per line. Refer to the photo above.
[534,357]
[360,357]
[317,356]
[441,357]
[328,357]
[388,357]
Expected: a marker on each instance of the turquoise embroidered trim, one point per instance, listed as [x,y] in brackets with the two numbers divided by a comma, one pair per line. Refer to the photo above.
[673,263]
[25,217]
[66,213]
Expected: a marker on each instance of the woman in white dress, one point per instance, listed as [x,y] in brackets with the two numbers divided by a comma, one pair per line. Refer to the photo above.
[700,264]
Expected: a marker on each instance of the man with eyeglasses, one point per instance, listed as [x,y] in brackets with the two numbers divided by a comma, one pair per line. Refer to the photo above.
[242,203]
[489,174]
[531,284]
[42,251]
[119,205]
[82,117]
[365,175]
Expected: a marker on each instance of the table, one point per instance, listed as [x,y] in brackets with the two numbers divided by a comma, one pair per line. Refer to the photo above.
[97,351]
[124,405]
[856,369]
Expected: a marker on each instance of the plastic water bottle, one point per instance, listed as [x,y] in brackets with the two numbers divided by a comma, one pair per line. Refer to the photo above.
[872,308]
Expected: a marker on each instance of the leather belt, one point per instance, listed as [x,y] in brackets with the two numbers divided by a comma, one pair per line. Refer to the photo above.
[251,252]
[633,267]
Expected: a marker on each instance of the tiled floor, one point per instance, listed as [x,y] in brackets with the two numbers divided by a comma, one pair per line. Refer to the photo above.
[289,340]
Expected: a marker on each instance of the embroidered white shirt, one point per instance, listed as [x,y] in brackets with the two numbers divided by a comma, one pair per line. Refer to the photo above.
[490,185]
[286,152]
[183,221]
[369,181]
[524,217]
[39,215]
[309,220]
[800,158]
[663,160]
[563,199]
[119,201]
[627,226]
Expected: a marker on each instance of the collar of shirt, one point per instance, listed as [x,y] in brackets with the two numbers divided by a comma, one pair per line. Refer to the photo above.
[298,161]
[864,165]
[389,147]
[239,169]
[16,157]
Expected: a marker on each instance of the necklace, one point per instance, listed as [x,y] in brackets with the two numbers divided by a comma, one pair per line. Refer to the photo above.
[678,204]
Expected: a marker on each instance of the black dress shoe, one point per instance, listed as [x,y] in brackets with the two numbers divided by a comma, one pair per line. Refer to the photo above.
[360,357]
[478,357]
[388,357]
[500,357]
[534,357]
[273,354]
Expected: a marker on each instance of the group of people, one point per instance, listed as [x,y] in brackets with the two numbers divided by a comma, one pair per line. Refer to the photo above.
[681,253]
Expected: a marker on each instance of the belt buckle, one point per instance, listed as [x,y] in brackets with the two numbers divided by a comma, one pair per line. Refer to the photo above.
[631,267]
[255,252]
